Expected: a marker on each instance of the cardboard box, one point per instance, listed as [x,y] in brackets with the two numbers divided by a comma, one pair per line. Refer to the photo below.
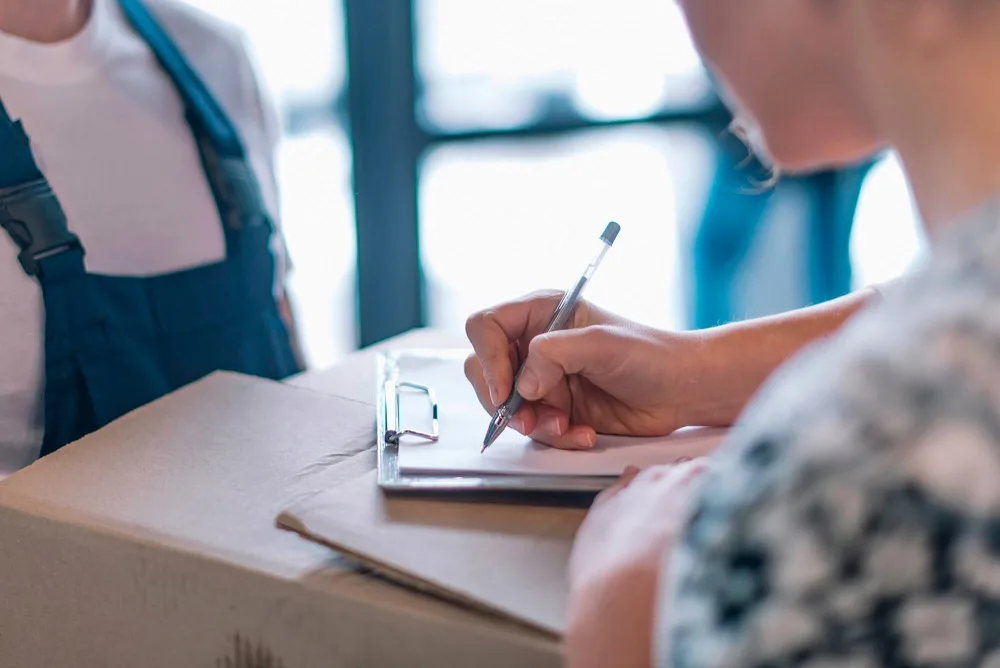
[153,543]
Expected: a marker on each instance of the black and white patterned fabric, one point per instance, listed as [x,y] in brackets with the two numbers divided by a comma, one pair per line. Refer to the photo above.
[853,517]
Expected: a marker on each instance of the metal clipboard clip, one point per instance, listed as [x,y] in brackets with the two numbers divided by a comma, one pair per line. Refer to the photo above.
[393,429]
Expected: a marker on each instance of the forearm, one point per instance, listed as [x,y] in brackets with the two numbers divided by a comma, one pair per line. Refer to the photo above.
[737,358]
[612,625]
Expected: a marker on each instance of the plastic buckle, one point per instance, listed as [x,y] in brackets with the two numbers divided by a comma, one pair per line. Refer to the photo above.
[234,185]
[33,218]
[243,195]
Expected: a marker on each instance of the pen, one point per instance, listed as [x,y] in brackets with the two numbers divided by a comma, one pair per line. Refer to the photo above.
[560,318]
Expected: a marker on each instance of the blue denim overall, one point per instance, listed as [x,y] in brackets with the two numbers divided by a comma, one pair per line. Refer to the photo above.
[115,343]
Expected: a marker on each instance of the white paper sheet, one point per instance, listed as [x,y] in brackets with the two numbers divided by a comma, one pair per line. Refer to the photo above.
[463,423]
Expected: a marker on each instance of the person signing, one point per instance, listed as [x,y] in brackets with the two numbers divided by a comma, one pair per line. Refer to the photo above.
[851,516]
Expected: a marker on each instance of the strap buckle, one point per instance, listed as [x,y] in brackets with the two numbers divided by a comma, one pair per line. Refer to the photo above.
[32,216]
[234,185]
[242,192]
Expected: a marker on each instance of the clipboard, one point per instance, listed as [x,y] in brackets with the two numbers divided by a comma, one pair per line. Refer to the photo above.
[403,374]
[390,429]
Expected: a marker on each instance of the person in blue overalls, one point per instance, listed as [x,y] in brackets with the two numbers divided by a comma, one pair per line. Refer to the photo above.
[138,200]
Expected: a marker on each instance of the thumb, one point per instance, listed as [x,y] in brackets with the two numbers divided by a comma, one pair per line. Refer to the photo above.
[553,356]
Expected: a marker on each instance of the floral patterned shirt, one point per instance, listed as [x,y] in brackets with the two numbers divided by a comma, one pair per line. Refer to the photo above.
[853,516]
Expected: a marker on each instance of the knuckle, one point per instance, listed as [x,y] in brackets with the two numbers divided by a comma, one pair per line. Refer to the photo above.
[604,333]
[540,300]
[474,323]
[472,367]
[604,337]
[538,346]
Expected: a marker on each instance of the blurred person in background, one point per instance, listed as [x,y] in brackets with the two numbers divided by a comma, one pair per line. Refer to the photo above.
[138,202]
[851,517]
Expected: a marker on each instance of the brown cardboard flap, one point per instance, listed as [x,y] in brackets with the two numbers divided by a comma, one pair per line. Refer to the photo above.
[507,559]
[204,469]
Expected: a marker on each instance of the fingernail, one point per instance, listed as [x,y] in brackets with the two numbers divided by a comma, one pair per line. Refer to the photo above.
[494,395]
[553,425]
[586,441]
[629,474]
[527,385]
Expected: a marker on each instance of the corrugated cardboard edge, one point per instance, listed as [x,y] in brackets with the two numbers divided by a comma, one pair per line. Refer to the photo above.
[287,520]
[146,537]
[351,595]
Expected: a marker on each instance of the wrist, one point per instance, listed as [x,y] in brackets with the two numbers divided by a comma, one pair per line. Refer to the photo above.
[722,368]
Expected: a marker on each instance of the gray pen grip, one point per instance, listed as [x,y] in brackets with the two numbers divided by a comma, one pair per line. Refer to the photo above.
[515,399]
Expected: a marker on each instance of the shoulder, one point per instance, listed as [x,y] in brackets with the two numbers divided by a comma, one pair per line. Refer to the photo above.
[201,36]
[221,54]
[857,505]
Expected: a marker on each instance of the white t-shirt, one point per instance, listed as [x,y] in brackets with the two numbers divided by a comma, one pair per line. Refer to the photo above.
[108,131]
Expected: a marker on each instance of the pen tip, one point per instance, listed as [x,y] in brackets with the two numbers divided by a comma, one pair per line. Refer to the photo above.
[491,435]
[611,233]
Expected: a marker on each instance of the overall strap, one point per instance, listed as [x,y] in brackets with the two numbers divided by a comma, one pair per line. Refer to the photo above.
[198,101]
[29,211]
[17,165]
[226,167]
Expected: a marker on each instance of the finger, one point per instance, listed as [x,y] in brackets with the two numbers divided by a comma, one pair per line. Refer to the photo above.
[492,331]
[577,437]
[628,475]
[696,464]
[624,480]
[667,485]
[474,373]
[689,469]
[555,355]
[551,421]
[491,347]
[659,472]
[679,472]
[523,421]
[552,428]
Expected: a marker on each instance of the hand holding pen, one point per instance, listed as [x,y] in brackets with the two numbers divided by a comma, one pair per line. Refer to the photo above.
[561,317]
[601,374]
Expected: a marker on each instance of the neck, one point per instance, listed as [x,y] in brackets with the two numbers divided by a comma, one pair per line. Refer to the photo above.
[45,21]
[951,178]
[950,145]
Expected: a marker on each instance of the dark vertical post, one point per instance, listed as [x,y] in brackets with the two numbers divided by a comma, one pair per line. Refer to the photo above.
[386,144]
